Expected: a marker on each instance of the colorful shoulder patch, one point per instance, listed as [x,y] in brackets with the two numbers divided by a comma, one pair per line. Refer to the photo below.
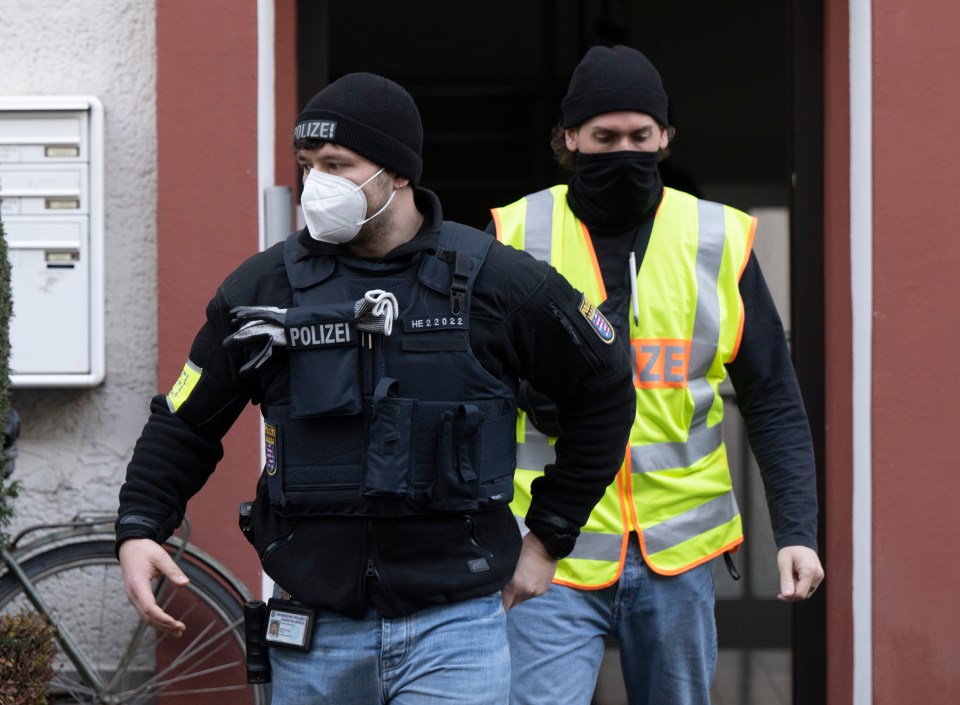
[270,448]
[597,321]
[184,386]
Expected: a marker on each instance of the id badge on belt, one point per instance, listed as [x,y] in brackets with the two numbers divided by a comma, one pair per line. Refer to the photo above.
[289,625]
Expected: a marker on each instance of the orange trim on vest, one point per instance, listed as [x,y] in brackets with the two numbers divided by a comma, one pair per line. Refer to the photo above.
[666,192]
[743,266]
[625,491]
[736,343]
[579,586]
[624,538]
[630,520]
[746,256]
[593,260]
[731,547]
[623,478]
[496,220]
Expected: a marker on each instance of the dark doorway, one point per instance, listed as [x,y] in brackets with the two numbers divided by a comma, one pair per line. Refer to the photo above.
[746,95]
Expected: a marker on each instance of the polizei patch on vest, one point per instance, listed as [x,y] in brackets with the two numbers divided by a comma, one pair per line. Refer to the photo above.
[316,129]
[597,321]
[321,335]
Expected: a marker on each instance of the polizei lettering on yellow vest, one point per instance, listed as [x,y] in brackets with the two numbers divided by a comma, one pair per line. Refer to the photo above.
[318,335]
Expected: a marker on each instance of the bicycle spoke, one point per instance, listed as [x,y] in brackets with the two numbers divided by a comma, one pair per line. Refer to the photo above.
[160,680]
[189,675]
[197,691]
[191,650]
[133,644]
[72,688]
[84,590]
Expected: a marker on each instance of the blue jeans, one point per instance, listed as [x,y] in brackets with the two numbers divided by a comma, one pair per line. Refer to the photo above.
[452,654]
[664,625]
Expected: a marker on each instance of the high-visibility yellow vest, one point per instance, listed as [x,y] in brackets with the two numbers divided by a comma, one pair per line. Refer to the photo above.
[674,488]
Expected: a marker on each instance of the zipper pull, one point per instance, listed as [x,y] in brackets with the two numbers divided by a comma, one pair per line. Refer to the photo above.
[470,538]
[567,326]
[372,569]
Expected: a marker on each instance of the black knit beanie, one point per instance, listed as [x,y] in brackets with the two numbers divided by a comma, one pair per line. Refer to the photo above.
[610,80]
[371,115]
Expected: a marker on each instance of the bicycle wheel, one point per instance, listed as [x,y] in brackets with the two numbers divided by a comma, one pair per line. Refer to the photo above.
[137,665]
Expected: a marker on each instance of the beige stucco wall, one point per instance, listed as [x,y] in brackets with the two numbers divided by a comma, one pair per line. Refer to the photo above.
[75,442]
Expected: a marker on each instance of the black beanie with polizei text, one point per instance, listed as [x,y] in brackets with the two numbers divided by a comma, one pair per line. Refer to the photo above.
[371,115]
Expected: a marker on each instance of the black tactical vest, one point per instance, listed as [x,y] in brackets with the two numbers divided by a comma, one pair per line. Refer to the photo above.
[395,425]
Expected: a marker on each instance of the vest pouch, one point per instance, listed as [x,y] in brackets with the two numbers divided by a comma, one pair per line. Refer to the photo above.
[457,483]
[270,530]
[388,466]
[324,353]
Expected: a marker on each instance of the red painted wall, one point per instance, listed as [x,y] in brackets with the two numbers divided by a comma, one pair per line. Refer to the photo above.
[916,338]
[839,351]
[207,221]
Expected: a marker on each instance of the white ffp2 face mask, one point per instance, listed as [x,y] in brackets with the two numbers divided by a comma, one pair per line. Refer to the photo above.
[334,207]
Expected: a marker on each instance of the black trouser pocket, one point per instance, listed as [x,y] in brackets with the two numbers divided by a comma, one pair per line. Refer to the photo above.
[388,462]
[457,483]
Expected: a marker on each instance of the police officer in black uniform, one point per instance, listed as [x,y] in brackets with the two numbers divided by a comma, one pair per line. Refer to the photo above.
[384,346]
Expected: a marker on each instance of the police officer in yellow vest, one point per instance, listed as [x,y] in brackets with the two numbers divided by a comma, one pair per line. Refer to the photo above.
[680,285]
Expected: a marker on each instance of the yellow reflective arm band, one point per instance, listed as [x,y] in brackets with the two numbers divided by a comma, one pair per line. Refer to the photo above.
[184,386]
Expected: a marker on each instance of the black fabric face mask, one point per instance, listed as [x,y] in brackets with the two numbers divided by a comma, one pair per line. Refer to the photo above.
[615,189]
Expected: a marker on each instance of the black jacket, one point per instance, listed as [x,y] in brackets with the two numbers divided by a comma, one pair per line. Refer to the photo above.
[398,565]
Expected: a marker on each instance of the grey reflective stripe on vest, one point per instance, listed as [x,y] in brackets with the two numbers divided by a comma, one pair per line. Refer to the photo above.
[590,546]
[701,440]
[676,530]
[668,456]
[538,225]
[598,547]
[535,452]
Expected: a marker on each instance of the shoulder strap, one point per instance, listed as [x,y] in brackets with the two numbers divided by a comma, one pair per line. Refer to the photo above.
[461,251]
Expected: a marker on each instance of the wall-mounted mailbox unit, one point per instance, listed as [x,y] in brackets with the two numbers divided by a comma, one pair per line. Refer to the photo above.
[51,203]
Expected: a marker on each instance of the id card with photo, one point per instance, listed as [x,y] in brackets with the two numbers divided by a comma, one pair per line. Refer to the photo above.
[289,625]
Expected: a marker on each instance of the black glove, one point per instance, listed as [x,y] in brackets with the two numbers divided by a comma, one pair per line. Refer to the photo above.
[265,326]
[540,409]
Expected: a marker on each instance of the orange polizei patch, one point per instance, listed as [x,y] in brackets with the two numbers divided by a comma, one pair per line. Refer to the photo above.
[660,362]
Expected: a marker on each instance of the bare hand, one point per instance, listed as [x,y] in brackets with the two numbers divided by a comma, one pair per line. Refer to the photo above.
[142,560]
[800,573]
[535,571]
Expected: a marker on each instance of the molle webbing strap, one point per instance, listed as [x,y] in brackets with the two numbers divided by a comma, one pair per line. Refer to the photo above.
[458,287]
